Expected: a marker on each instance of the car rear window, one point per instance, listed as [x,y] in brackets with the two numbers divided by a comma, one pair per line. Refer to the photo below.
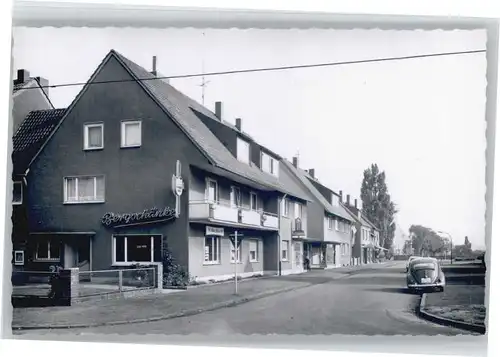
[423,261]
[423,266]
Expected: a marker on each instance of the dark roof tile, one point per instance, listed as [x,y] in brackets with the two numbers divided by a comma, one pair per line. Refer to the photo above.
[32,134]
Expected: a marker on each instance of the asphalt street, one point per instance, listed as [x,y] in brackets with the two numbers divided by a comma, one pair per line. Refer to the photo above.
[371,301]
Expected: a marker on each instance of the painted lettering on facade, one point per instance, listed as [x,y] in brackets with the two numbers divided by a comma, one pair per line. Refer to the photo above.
[154,214]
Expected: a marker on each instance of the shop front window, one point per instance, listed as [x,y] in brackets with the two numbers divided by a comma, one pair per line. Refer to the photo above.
[137,249]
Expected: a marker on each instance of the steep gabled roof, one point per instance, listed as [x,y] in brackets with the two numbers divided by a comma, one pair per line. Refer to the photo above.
[179,106]
[31,135]
[302,176]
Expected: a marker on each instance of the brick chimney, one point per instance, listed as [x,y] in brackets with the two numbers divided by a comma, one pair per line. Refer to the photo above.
[348,200]
[311,173]
[295,162]
[22,76]
[356,203]
[154,72]
[238,124]
[218,110]
[341,196]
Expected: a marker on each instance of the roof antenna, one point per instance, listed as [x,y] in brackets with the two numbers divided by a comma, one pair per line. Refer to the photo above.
[203,81]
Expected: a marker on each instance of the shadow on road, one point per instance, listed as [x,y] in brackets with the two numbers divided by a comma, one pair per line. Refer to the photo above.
[393,290]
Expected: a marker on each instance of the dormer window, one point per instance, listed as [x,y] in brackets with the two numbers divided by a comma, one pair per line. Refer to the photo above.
[269,164]
[335,200]
[243,151]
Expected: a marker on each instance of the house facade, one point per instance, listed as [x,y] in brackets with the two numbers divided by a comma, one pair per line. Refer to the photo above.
[29,98]
[131,168]
[328,240]
[367,237]
[282,213]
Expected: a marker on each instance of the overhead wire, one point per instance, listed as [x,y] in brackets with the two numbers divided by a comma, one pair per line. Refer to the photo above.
[270,69]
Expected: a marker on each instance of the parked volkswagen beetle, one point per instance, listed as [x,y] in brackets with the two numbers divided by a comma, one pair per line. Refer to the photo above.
[425,274]
[413,257]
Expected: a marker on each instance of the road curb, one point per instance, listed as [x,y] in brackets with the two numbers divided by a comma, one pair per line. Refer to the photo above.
[447,322]
[174,315]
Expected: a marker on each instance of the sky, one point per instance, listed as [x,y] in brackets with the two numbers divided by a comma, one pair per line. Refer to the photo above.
[421,120]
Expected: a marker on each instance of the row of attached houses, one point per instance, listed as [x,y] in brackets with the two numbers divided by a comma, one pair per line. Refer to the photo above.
[133,167]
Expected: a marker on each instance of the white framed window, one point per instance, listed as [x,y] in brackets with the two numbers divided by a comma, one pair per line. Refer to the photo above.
[235,196]
[84,189]
[212,192]
[253,250]
[212,250]
[253,201]
[336,224]
[131,133]
[238,252]
[285,208]
[298,210]
[330,223]
[243,150]
[17,193]
[93,136]
[48,249]
[136,248]
[284,250]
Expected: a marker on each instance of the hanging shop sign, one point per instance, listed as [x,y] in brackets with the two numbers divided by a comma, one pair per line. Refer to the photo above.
[177,187]
[151,215]
[177,181]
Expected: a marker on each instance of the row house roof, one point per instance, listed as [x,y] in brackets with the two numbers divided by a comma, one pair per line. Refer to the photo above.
[39,126]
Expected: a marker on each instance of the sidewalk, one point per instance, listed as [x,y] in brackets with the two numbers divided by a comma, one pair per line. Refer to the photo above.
[459,305]
[156,307]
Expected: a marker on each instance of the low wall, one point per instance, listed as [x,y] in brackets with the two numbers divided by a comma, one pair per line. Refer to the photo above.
[69,289]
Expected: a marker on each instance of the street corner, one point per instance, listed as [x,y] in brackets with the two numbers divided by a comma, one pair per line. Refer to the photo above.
[448,312]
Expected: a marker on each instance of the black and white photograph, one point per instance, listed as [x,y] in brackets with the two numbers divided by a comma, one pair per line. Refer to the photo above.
[216,182]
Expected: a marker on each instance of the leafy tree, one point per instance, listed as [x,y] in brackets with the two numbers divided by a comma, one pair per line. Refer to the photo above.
[377,204]
[427,242]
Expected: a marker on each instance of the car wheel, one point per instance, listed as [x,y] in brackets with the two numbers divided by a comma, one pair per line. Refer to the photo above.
[441,289]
